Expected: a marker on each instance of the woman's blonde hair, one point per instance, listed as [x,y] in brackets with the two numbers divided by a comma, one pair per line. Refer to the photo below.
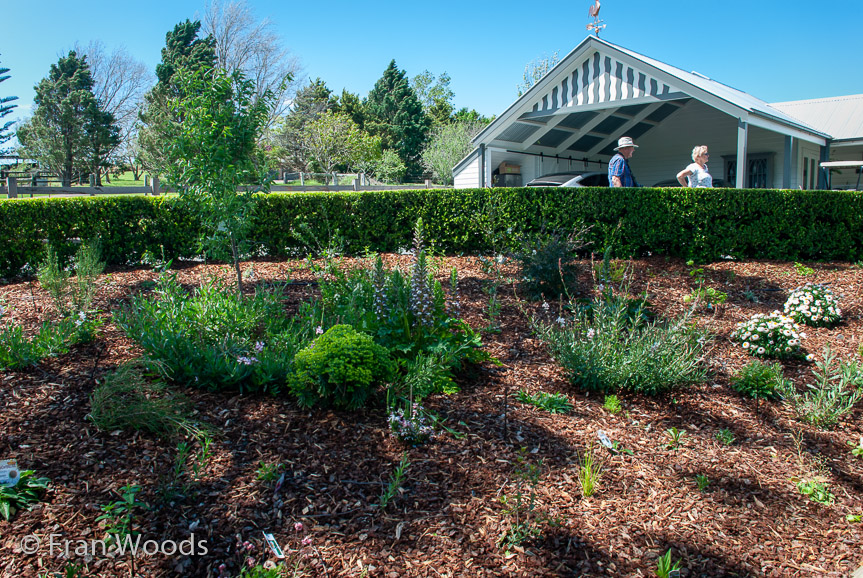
[698,151]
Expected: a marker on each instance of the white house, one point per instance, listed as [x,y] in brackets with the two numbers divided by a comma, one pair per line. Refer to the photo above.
[571,120]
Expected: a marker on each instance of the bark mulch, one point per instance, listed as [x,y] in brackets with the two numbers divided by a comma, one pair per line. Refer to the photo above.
[447,517]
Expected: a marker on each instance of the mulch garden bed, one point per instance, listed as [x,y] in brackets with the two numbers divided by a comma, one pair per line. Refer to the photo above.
[447,518]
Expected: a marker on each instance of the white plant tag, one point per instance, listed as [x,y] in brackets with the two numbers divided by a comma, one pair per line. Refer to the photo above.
[603,439]
[274,546]
[9,474]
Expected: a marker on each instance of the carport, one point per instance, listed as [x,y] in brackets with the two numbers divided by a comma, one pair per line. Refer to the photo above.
[572,118]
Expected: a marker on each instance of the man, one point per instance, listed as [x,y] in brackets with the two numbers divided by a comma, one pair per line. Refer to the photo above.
[619,173]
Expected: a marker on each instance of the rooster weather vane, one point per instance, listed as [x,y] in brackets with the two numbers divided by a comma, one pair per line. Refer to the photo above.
[597,24]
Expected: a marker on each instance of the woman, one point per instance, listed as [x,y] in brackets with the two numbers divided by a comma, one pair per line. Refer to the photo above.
[696,174]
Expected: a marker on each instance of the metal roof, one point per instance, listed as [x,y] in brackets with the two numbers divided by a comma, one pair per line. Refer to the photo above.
[839,116]
[714,89]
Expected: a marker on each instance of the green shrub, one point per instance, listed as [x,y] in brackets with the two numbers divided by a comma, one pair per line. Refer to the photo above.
[341,367]
[17,350]
[836,391]
[550,402]
[547,267]
[212,339]
[699,223]
[613,350]
[758,380]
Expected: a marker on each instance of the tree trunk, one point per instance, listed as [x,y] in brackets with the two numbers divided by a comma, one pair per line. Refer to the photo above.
[236,256]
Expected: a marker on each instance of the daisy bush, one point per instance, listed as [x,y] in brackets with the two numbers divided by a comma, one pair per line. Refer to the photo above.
[770,335]
[813,304]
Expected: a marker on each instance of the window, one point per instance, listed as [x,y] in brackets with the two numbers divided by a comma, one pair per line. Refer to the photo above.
[759,170]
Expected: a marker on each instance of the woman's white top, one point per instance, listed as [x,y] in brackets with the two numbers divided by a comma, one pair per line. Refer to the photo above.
[699,177]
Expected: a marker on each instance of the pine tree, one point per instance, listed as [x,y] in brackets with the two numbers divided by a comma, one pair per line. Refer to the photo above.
[5,109]
[311,101]
[396,115]
[68,130]
[183,51]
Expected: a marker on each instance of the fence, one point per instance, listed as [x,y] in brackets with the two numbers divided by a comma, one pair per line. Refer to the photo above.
[356,183]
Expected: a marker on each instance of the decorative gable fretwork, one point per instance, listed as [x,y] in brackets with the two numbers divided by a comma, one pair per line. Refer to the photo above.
[597,79]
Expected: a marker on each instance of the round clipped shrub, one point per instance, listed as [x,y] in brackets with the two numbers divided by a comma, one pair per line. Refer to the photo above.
[813,304]
[769,335]
[340,368]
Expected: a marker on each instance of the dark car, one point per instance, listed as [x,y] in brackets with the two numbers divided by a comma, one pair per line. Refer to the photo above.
[571,179]
[671,183]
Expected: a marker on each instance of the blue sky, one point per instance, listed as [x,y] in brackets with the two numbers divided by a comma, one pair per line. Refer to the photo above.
[775,50]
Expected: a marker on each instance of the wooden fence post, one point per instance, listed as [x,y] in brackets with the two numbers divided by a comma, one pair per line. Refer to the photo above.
[146,181]
[12,183]
[155,186]
[302,180]
[428,183]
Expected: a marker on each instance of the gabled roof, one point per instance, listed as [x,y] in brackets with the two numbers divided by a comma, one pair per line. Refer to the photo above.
[839,116]
[597,74]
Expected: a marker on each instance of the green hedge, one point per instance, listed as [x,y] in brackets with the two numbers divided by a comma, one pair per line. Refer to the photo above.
[698,223]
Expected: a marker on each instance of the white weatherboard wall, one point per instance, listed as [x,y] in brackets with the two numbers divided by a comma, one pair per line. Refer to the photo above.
[468,178]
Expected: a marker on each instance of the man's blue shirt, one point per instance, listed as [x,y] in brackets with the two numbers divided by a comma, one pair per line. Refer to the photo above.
[619,167]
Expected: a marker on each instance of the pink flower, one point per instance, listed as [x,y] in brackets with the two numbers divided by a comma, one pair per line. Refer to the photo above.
[298,526]
[307,541]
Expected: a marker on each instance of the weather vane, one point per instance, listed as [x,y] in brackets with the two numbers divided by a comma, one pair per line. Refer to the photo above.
[597,24]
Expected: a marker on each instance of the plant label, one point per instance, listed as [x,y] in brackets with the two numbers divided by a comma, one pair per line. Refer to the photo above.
[9,474]
[603,439]
[274,546]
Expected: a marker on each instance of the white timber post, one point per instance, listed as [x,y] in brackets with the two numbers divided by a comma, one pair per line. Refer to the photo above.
[742,145]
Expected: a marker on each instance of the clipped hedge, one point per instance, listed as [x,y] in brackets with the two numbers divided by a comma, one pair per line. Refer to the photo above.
[690,223]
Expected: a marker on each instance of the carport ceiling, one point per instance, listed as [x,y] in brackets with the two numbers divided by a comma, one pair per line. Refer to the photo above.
[592,132]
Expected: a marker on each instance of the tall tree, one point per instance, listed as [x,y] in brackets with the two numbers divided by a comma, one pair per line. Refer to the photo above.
[119,83]
[396,115]
[435,95]
[253,47]
[535,70]
[214,151]
[183,50]
[449,143]
[311,101]
[334,139]
[5,109]
[103,137]
[352,105]
[67,119]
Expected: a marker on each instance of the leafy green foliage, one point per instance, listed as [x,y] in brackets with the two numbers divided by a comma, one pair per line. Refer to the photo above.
[758,380]
[675,438]
[28,490]
[665,568]
[211,339]
[702,482]
[817,491]
[397,478]
[550,402]
[547,266]
[118,516]
[614,350]
[831,396]
[17,350]
[741,223]
[612,404]
[341,367]
[725,437]
[214,151]
[803,270]
[522,508]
